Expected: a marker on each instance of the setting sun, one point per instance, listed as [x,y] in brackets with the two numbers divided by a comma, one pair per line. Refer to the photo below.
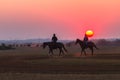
[89,33]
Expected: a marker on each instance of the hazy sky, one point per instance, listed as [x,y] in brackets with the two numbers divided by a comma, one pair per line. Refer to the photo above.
[69,19]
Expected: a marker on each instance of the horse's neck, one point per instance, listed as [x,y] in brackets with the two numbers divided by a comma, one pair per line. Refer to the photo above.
[80,42]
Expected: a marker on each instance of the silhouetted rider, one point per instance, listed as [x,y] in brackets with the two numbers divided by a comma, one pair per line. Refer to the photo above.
[85,39]
[54,38]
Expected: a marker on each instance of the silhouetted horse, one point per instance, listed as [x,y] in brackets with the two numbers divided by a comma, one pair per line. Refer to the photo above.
[53,46]
[90,45]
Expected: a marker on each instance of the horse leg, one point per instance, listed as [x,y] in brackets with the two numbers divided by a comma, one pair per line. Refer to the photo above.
[85,52]
[51,51]
[82,51]
[92,50]
[60,52]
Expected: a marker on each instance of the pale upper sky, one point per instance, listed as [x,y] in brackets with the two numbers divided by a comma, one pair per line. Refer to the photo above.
[69,19]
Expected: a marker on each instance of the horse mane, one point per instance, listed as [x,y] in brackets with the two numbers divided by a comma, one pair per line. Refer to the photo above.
[79,40]
[82,41]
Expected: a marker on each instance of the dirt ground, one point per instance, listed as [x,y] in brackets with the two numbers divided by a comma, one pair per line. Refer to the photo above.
[38,76]
[37,63]
[32,61]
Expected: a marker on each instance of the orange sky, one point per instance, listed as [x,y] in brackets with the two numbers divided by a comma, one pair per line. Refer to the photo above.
[69,19]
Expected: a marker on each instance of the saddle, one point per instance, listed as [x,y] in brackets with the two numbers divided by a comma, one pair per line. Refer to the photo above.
[54,43]
[86,43]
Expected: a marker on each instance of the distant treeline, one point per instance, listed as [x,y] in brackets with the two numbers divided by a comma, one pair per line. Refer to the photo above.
[100,42]
[6,47]
[103,42]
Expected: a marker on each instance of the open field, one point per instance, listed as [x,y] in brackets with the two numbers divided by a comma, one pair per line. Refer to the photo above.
[34,63]
[38,76]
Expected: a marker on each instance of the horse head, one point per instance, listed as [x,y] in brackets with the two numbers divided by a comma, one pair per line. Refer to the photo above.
[79,41]
[76,42]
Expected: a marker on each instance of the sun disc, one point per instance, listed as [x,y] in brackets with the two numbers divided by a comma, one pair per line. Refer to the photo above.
[89,33]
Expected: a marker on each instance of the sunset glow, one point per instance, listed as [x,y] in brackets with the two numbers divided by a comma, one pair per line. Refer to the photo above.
[69,19]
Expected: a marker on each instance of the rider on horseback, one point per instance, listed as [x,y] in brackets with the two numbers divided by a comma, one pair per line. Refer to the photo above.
[54,38]
[85,40]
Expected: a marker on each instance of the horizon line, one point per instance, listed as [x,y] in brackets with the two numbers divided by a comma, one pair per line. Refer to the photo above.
[50,39]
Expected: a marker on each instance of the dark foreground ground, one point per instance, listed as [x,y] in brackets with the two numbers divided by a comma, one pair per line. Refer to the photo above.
[83,65]
[34,63]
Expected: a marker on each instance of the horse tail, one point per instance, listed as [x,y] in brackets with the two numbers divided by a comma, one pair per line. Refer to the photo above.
[64,48]
[96,46]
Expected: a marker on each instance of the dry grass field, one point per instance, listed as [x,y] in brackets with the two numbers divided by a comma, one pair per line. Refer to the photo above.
[25,63]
